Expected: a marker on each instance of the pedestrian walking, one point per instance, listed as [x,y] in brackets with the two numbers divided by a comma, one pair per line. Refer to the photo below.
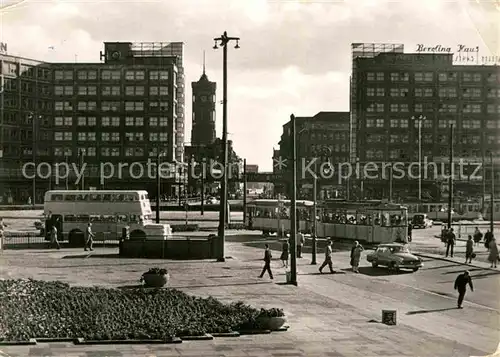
[328,258]
[300,243]
[469,250]
[267,263]
[461,283]
[493,256]
[89,237]
[54,242]
[488,236]
[285,252]
[477,236]
[410,230]
[450,242]
[356,256]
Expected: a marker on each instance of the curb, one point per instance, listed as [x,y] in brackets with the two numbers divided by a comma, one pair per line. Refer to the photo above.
[172,340]
[437,257]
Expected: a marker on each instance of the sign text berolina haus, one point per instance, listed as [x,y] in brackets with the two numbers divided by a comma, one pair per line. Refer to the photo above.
[446,49]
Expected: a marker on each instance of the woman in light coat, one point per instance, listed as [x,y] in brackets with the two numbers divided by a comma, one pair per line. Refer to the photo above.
[356,256]
[493,256]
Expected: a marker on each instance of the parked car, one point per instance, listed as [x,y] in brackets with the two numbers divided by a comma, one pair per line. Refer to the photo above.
[421,221]
[395,256]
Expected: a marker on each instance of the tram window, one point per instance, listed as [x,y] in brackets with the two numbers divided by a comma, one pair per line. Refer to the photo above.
[377,220]
[82,197]
[94,219]
[134,218]
[121,218]
[106,197]
[432,208]
[69,197]
[128,198]
[69,218]
[94,197]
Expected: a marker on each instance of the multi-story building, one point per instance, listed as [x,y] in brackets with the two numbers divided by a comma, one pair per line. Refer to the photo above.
[323,138]
[391,90]
[120,114]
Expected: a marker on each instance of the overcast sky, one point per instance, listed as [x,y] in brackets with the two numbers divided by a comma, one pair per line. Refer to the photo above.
[294,55]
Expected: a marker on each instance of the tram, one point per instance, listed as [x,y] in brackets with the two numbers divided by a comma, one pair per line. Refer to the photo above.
[271,216]
[462,210]
[372,222]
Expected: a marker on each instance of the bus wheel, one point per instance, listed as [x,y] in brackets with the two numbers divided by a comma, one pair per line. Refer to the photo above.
[76,239]
[137,234]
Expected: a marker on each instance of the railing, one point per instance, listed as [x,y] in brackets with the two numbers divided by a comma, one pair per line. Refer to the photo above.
[463,230]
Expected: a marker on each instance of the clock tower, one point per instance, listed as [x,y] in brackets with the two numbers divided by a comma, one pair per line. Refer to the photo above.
[203,121]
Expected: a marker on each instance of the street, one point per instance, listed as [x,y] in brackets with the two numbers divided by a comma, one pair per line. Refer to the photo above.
[329,314]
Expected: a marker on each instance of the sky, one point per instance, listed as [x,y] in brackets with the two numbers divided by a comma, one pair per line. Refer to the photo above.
[294,56]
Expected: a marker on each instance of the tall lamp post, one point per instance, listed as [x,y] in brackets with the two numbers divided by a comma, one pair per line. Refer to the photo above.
[419,120]
[34,118]
[223,42]
[81,154]
[293,208]
[492,193]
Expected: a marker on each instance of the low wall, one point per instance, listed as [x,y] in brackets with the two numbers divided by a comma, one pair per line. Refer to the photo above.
[183,248]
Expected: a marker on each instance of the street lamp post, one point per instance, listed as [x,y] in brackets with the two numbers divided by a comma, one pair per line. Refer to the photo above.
[419,119]
[224,40]
[158,185]
[81,154]
[492,193]
[34,118]
[293,208]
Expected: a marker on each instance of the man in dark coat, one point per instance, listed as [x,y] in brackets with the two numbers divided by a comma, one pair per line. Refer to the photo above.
[488,236]
[461,283]
[267,262]
[450,242]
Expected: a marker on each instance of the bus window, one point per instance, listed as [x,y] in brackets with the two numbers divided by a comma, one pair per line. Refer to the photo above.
[134,218]
[145,197]
[83,218]
[95,197]
[121,218]
[127,198]
[432,208]
[69,218]
[69,197]
[57,197]
[94,219]
[106,197]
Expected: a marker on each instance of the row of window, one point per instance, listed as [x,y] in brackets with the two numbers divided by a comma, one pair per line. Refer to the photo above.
[442,123]
[403,154]
[137,75]
[111,106]
[331,148]
[110,90]
[91,136]
[329,136]
[429,138]
[111,121]
[105,151]
[429,76]
[428,107]
[448,92]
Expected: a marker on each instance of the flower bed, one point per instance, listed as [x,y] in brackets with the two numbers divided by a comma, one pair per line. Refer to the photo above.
[37,309]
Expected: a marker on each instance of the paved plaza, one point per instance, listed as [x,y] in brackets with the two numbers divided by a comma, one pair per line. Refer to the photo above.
[329,314]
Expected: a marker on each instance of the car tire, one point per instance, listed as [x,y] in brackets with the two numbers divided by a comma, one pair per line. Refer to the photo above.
[374,264]
[393,267]
[415,269]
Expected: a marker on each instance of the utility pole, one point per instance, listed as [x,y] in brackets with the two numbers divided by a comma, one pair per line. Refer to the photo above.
[33,121]
[224,40]
[203,169]
[450,182]
[158,187]
[483,200]
[293,208]
[390,184]
[315,210]
[82,168]
[244,190]
[492,193]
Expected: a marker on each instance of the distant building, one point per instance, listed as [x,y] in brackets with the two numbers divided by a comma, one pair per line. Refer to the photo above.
[252,168]
[324,138]
[203,121]
[126,110]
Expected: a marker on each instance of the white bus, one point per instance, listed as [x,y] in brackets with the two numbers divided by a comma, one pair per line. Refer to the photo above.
[108,211]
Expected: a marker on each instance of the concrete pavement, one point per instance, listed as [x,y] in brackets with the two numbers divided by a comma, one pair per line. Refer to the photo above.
[329,315]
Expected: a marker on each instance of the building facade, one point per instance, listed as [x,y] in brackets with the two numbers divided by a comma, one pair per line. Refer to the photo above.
[109,120]
[322,140]
[394,93]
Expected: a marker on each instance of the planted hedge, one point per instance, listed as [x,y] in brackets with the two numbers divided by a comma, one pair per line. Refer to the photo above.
[38,309]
